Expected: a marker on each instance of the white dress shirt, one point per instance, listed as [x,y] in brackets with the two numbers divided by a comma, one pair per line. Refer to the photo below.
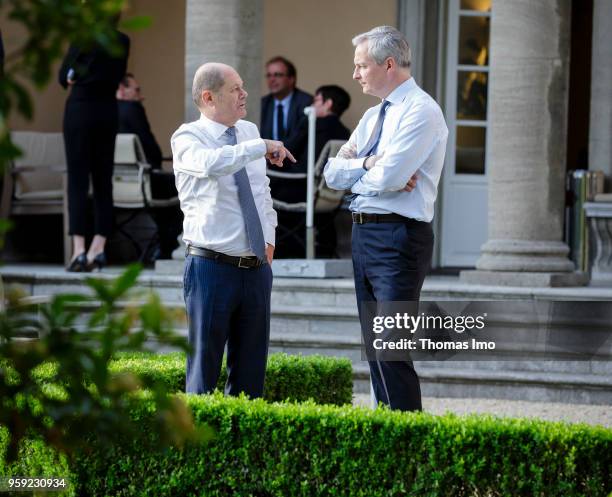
[413,140]
[204,168]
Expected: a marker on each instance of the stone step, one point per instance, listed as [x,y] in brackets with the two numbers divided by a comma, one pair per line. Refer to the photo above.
[320,316]
[297,290]
[542,387]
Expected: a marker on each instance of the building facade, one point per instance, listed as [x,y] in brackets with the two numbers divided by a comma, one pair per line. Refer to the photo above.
[526,88]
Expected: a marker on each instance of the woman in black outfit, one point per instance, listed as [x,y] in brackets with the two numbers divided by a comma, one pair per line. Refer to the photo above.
[90,127]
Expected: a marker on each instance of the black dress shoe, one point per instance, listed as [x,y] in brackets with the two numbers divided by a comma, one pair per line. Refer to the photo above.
[78,264]
[99,261]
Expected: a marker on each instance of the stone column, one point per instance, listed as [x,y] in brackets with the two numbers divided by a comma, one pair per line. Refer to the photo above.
[600,128]
[228,31]
[528,100]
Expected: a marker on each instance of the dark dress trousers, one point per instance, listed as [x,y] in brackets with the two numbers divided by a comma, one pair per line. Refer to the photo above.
[227,305]
[390,262]
[90,127]
[169,220]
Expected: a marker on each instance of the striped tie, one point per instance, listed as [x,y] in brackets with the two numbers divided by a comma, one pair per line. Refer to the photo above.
[247,206]
[372,145]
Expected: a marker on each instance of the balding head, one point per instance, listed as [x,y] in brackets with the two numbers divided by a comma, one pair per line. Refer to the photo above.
[211,77]
[219,94]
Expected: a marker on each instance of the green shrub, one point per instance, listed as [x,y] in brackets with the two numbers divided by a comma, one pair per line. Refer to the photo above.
[313,450]
[326,380]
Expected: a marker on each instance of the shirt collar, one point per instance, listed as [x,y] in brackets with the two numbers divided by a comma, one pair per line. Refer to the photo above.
[285,101]
[399,94]
[213,127]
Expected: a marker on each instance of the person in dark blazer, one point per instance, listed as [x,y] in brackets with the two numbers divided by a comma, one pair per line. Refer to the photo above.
[283,108]
[330,102]
[90,127]
[133,119]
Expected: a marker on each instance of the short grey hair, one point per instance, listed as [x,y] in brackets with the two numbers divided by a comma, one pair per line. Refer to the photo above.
[208,77]
[385,42]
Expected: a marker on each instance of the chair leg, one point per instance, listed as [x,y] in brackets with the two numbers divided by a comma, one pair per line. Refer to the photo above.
[141,253]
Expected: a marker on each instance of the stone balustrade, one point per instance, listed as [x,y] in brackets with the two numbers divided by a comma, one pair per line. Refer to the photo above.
[599,218]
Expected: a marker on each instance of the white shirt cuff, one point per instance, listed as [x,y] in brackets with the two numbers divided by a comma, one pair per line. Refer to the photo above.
[256,148]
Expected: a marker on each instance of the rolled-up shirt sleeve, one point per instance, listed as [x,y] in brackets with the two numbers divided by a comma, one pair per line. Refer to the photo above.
[192,157]
[413,142]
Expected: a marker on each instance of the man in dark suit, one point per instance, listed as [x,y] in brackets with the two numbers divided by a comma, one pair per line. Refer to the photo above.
[133,119]
[283,108]
[282,111]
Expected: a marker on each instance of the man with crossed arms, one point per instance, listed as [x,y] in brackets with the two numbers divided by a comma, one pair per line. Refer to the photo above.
[229,223]
[402,138]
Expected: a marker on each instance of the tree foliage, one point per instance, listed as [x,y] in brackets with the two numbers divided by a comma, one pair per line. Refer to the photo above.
[77,333]
[49,26]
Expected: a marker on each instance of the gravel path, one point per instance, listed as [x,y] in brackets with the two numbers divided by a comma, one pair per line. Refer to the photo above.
[549,411]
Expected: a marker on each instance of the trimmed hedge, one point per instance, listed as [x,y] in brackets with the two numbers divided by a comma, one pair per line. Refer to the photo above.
[312,450]
[326,380]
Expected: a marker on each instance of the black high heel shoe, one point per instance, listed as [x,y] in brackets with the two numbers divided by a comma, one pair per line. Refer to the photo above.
[99,261]
[78,264]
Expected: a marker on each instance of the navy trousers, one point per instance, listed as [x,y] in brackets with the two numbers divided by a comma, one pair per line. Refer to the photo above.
[227,305]
[390,262]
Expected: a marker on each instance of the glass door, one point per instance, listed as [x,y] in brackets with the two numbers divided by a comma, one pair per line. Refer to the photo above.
[464,196]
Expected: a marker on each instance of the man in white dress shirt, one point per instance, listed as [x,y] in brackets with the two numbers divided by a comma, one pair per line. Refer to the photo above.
[391,164]
[229,224]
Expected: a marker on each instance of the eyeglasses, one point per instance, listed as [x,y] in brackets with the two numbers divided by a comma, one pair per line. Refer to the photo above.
[275,75]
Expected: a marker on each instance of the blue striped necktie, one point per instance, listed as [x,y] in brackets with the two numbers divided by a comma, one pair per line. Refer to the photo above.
[247,205]
[372,145]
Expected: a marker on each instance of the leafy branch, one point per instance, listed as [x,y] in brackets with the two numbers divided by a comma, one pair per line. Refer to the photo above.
[81,396]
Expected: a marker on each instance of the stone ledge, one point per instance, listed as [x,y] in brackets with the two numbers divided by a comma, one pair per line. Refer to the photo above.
[524,279]
[312,268]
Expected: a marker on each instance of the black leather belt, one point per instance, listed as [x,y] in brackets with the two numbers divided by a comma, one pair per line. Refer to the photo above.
[363,218]
[241,262]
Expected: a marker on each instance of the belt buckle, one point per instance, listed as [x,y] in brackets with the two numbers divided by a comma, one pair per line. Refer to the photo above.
[240,265]
[358,218]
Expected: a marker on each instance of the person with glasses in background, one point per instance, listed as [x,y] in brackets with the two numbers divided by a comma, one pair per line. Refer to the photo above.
[282,111]
[283,108]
